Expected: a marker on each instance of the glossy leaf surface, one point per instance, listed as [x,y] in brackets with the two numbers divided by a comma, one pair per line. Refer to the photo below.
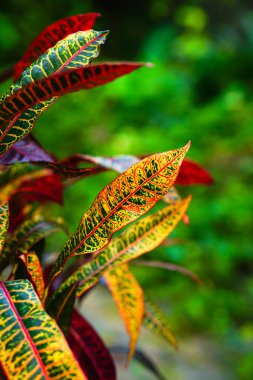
[129,196]
[156,321]
[35,272]
[89,349]
[141,237]
[128,297]
[4,223]
[51,35]
[32,345]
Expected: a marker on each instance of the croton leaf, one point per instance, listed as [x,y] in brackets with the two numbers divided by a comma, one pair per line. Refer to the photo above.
[141,237]
[34,271]
[128,296]
[4,222]
[26,150]
[156,321]
[191,173]
[26,236]
[51,35]
[46,188]
[57,85]
[76,50]
[129,196]
[12,180]
[89,349]
[32,345]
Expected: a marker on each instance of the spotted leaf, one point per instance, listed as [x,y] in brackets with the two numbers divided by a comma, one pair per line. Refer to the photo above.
[141,237]
[128,297]
[32,345]
[51,35]
[129,196]
[58,84]
[76,50]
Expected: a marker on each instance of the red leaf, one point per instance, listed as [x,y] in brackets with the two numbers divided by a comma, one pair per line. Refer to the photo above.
[89,349]
[48,188]
[51,35]
[192,173]
[60,84]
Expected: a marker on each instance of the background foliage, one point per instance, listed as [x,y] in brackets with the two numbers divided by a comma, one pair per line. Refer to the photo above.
[201,88]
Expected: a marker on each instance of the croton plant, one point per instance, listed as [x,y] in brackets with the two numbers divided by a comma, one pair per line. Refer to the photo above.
[42,334]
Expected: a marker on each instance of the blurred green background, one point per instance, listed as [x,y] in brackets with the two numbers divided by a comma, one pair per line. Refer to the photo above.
[200,89]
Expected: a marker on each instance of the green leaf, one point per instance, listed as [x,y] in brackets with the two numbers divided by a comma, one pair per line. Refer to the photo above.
[129,196]
[32,345]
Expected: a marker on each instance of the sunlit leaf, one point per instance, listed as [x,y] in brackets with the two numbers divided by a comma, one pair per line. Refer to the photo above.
[51,35]
[128,296]
[89,349]
[34,270]
[141,237]
[32,345]
[4,223]
[129,196]
[156,321]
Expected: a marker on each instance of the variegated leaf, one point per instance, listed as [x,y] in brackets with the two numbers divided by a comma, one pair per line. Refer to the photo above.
[32,345]
[4,223]
[129,196]
[56,85]
[76,50]
[34,271]
[141,237]
[128,297]
[26,236]
[51,35]
[155,320]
